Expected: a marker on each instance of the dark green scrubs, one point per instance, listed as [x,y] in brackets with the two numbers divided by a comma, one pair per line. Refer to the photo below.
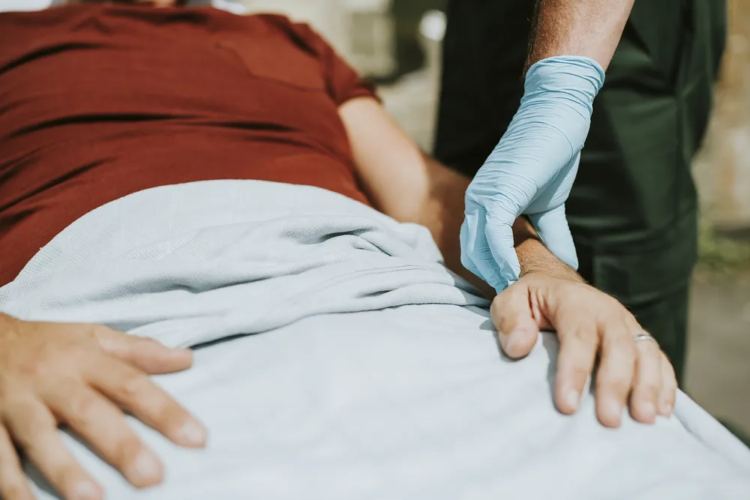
[633,209]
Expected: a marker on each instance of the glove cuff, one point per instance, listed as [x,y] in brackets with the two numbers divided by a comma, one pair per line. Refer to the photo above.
[578,78]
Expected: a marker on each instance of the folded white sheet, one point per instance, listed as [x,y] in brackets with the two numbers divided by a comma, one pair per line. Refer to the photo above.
[375,377]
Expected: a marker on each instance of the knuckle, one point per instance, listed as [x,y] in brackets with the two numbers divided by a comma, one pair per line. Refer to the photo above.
[132,386]
[577,340]
[587,338]
[97,331]
[627,347]
[649,389]
[102,335]
[613,383]
[33,369]
[83,409]
[580,372]
[63,474]
[125,450]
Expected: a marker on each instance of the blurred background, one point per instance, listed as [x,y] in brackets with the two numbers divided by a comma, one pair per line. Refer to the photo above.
[397,43]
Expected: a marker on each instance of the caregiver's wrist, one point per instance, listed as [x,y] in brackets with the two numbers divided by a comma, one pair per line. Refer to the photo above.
[577,78]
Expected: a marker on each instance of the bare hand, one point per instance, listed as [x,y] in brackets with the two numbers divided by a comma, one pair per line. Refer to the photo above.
[588,323]
[84,376]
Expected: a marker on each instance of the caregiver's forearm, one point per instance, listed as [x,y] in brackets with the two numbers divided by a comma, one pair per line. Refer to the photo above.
[589,28]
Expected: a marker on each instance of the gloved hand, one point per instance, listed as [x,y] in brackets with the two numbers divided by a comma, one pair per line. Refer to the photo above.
[531,171]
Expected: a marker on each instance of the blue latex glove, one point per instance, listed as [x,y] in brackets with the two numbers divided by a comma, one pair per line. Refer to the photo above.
[531,170]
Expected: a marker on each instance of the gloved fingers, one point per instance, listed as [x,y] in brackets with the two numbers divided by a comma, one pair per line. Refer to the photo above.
[499,234]
[554,231]
[476,255]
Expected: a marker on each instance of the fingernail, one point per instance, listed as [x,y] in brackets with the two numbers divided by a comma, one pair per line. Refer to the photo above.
[572,399]
[193,433]
[668,411]
[513,338]
[649,411]
[146,466]
[86,490]
[614,410]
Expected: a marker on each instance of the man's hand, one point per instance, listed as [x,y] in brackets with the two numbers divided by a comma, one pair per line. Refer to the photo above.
[588,323]
[84,376]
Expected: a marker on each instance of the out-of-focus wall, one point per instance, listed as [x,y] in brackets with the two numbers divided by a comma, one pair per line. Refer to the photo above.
[327,16]
[723,169]
[363,32]
[360,30]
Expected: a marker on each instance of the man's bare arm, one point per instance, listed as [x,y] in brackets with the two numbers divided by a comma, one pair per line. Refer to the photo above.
[590,28]
[408,185]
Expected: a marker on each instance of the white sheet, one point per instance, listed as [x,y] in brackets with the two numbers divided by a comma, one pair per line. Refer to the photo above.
[414,403]
[400,401]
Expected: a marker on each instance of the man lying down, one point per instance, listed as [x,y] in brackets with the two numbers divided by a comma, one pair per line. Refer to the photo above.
[193,177]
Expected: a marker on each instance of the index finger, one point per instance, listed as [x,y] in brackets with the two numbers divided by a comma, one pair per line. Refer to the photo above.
[134,391]
[143,353]
[504,259]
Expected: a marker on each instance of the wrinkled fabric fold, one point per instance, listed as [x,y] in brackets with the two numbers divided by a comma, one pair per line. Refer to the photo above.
[194,263]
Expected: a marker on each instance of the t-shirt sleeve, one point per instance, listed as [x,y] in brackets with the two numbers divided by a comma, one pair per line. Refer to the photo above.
[343,81]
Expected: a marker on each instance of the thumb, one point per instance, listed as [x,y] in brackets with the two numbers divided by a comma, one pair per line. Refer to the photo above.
[513,318]
[146,354]
[553,229]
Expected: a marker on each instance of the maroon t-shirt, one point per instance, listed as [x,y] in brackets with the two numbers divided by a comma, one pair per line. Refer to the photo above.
[97,102]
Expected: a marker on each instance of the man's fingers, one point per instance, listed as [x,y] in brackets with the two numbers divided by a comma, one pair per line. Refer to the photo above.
[134,391]
[34,429]
[668,387]
[553,229]
[146,354]
[512,316]
[615,376]
[103,426]
[574,364]
[13,485]
[647,382]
